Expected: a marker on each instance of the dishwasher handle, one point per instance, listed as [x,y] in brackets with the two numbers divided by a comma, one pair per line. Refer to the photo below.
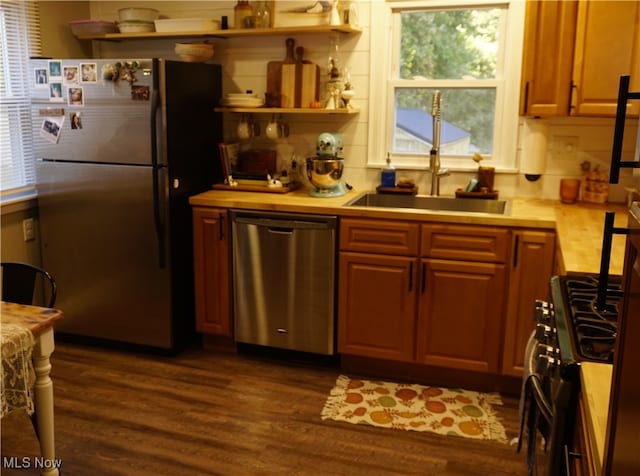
[285,225]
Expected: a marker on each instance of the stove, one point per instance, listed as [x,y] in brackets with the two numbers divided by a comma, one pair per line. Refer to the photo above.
[593,330]
[578,325]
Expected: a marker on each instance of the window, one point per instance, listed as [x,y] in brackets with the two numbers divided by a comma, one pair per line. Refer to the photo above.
[19,39]
[469,51]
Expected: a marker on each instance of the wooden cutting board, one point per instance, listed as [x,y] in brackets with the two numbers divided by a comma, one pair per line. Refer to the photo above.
[274,70]
[307,80]
[288,77]
[300,81]
[309,84]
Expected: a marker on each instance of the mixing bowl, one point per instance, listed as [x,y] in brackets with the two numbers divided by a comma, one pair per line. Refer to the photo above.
[324,173]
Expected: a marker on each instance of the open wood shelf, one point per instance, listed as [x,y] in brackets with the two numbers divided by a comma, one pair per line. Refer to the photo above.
[288,110]
[241,32]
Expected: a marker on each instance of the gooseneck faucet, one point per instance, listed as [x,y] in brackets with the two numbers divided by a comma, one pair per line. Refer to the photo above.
[434,155]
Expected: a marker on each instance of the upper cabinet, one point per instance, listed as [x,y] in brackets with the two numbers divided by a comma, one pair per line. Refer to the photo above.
[574,54]
[547,56]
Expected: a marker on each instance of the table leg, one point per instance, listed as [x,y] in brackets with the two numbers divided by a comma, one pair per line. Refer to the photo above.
[43,401]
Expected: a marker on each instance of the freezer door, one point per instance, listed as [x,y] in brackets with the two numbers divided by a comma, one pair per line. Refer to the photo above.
[99,244]
[114,117]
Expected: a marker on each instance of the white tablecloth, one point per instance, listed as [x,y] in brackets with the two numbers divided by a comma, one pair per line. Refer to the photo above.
[18,375]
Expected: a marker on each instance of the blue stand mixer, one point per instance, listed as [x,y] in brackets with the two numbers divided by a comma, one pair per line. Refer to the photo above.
[324,171]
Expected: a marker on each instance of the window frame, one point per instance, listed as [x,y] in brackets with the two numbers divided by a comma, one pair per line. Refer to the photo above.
[20,31]
[385,21]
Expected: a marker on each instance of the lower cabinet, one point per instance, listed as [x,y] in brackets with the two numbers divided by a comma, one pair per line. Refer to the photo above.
[377,306]
[377,288]
[460,320]
[443,295]
[532,266]
[398,301]
[211,267]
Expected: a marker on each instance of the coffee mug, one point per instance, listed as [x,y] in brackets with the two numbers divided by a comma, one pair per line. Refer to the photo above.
[247,128]
[272,130]
[283,128]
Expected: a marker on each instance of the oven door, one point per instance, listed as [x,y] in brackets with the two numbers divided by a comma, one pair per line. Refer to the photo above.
[536,410]
[548,407]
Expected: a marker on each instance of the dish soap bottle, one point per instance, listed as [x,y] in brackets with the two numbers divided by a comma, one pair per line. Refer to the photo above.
[388,176]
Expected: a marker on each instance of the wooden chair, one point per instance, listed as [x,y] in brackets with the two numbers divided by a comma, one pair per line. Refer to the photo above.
[21,281]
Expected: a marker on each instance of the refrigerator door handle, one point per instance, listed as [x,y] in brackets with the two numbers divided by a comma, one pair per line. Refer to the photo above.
[155,170]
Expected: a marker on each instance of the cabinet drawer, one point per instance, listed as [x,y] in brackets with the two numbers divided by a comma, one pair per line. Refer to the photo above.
[379,236]
[469,243]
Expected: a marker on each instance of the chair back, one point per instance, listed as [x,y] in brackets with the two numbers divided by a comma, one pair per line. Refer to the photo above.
[21,283]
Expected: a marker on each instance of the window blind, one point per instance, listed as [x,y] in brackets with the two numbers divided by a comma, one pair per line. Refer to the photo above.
[19,39]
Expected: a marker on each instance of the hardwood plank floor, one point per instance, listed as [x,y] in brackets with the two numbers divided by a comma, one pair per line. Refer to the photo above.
[208,413]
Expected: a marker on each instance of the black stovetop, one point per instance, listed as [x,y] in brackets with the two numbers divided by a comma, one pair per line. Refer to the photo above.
[593,330]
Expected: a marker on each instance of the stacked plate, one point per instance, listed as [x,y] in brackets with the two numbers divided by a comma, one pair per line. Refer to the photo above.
[242,100]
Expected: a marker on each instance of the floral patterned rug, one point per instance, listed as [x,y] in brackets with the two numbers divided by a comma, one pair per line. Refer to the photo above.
[452,412]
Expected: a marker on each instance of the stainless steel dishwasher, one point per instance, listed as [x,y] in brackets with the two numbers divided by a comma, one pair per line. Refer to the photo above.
[284,280]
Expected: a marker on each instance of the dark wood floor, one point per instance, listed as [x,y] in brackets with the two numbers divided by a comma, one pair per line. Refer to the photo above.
[207,413]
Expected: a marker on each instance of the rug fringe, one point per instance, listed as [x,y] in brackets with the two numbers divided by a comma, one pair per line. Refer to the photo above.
[492,398]
[332,406]
[496,428]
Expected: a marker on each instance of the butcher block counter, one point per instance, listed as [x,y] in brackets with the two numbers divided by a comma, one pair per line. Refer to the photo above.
[596,389]
[579,227]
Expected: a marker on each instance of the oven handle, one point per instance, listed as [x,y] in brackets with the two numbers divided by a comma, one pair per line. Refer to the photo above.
[531,379]
[529,367]
[543,404]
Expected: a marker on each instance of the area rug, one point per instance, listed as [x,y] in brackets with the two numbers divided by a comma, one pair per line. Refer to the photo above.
[447,411]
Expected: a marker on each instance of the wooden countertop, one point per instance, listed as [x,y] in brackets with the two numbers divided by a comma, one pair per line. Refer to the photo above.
[596,388]
[579,227]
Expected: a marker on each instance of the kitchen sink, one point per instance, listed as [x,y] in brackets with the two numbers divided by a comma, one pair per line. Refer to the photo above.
[449,204]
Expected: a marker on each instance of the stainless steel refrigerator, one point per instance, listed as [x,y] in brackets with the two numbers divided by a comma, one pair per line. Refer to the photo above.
[120,145]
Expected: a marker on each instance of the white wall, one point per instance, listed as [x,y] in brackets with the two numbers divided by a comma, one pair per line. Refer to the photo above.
[570,141]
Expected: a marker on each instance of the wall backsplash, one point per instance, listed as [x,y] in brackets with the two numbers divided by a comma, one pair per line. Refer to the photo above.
[570,141]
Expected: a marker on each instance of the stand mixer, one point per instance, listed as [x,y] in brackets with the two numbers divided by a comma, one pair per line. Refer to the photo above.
[324,171]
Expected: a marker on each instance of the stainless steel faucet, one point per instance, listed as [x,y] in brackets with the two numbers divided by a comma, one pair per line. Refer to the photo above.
[434,155]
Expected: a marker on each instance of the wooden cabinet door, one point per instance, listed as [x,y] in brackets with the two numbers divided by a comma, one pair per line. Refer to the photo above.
[607,47]
[531,269]
[547,57]
[461,307]
[211,268]
[377,306]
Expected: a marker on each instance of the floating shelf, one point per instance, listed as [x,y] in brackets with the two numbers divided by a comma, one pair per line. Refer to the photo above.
[241,32]
[288,110]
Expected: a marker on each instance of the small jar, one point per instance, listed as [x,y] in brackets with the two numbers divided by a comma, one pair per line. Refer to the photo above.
[241,11]
[263,15]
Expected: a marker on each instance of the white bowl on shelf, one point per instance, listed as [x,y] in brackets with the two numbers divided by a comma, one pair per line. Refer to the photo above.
[138,14]
[241,95]
[194,52]
[136,26]
[247,102]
